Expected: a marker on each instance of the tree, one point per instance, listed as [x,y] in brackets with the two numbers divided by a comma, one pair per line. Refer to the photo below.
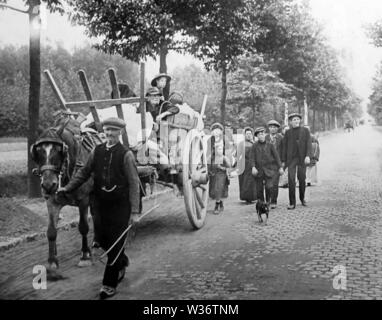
[375,33]
[254,85]
[227,31]
[138,29]
[374,107]
[14,82]
[33,11]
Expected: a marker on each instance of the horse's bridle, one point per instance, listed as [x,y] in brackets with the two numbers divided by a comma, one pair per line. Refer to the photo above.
[57,141]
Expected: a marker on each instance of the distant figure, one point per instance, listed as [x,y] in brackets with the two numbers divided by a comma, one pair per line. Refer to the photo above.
[246,180]
[311,170]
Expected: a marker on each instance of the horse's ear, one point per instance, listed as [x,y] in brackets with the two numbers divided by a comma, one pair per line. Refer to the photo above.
[61,128]
[33,152]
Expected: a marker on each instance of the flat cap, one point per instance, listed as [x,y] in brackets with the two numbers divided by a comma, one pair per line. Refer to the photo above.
[115,123]
[176,98]
[292,115]
[217,125]
[258,130]
[153,91]
[158,76]
[248,129]
[273,123]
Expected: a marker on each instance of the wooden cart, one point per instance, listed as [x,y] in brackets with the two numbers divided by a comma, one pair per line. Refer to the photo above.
[193,168]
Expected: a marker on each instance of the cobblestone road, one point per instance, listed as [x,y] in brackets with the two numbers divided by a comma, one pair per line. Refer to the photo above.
[233,257]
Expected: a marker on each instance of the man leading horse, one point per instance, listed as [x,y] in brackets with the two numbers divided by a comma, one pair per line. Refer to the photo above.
[116,197]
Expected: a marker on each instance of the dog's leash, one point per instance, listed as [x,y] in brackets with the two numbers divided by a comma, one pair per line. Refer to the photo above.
[123,233]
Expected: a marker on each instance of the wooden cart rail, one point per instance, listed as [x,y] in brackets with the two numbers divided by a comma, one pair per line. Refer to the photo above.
[100,104]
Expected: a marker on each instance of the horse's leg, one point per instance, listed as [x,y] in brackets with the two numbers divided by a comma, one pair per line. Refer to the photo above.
[83,227]
[53,214]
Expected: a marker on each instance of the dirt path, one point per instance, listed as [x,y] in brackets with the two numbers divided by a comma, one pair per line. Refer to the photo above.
[233,257]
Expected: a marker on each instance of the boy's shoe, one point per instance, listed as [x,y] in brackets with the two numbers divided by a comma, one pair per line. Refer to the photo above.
[106,292]
[273,206]
[221,209]
[216,210]
[121,274]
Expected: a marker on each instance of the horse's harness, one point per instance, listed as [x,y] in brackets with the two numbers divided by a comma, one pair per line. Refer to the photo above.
[57,141]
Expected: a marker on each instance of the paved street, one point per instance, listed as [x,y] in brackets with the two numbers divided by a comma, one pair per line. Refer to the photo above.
[232,256]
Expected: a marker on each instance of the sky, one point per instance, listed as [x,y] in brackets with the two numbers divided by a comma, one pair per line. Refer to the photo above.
[343,22]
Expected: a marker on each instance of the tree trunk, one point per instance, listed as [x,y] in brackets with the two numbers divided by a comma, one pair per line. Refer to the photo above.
[335,119]
[224,94]
[254,118]
[329,121]
[34,95]
[324,122]
[163,67]
[314,121]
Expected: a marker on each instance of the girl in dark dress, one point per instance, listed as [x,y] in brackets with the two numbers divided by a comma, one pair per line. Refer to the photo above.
[246,180]
[219,181]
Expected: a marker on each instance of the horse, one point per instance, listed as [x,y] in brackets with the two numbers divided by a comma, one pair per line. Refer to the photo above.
[59,152]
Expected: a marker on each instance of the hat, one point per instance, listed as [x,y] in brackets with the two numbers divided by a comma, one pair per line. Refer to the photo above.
[258,130]
[273,123]
[217,125]
[292,115]
[115,123]
[248,129]
[153,91]
[153,81]
[176,98]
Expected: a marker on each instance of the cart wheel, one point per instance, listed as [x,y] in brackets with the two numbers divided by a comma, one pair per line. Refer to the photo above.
[195,178]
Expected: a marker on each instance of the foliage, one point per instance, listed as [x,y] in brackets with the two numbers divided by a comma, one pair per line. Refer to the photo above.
[14,82]
[375,105]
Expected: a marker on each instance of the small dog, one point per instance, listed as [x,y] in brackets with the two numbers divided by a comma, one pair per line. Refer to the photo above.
[262,208]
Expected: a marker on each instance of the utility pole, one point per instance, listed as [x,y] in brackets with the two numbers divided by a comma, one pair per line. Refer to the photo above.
[286,114]
[306,112]
[33,13]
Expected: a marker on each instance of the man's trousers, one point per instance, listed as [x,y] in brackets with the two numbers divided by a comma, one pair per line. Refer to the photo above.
[266,184]
[294,166]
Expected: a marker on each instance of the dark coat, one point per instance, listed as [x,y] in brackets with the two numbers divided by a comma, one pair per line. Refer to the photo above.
[219,181]
[276,142]
[304,146]
[265,159]
[246,179]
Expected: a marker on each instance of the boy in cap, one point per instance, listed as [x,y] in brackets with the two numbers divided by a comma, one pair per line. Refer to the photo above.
[275,138]
[266,165]
[296,154]
[159,109]
[116,197]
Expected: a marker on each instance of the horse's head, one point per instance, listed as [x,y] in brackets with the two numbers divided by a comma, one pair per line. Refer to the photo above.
[50,152]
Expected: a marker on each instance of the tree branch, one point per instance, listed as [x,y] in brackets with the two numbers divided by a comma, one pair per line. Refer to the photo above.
[12,8]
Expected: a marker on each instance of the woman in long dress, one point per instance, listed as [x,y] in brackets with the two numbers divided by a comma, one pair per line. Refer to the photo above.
[311,170]
[246,180]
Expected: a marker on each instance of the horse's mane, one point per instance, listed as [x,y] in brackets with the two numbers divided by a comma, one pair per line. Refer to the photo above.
[79,145]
